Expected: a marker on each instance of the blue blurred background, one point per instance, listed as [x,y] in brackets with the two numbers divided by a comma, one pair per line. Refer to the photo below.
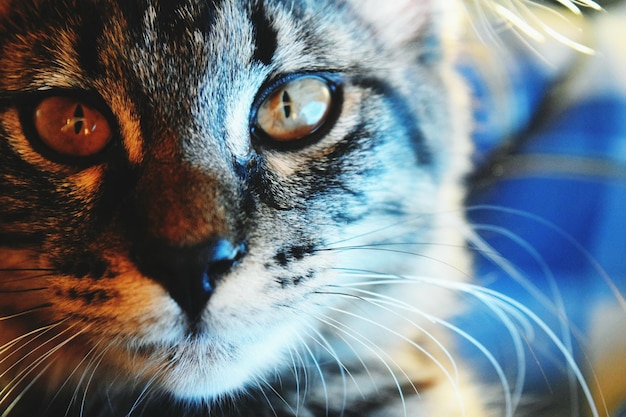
[550,197]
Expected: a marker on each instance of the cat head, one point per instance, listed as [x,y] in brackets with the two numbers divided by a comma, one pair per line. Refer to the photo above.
[180,180]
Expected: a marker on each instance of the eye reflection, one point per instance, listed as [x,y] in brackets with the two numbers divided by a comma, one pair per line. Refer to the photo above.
[70,127]
[296,109]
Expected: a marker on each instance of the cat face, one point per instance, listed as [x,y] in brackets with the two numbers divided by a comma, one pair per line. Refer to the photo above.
[180,182]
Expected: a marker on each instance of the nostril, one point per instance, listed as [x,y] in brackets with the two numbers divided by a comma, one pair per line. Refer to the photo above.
[223,257]
[190,274]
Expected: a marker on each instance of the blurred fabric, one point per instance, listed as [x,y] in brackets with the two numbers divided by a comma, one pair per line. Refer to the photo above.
[549,196]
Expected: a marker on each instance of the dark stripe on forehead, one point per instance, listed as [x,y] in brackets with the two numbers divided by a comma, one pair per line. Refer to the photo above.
[403,112]
[87,45]
[133,11]
[265,36]
[179,17]
[170,18]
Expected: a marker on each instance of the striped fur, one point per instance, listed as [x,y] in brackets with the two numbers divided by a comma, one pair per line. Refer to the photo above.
[331,304]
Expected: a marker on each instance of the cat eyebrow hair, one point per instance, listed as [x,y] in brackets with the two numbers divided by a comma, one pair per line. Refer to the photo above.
[265,35]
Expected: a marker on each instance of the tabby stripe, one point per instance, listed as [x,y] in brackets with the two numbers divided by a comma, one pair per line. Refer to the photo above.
[87,46]
[265,36]
[403,111]
[168,18]
[14,240]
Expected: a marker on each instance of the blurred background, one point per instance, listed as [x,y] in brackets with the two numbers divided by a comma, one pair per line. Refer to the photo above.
[548,200]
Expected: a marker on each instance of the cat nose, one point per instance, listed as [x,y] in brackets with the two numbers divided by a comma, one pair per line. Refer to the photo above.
[191,274]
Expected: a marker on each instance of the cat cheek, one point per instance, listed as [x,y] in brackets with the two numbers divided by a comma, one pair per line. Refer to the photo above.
[5,7]
[129,307]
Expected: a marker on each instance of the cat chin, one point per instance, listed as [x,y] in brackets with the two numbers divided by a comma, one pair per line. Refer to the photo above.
[206,369]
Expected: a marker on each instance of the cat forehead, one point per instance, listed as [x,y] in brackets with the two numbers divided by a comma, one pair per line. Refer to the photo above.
[183,31]
[292,35]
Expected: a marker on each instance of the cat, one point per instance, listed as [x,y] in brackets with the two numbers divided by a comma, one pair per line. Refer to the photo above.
[232,208]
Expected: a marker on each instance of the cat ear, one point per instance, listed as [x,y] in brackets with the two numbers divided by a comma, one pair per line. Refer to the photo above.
[401,21]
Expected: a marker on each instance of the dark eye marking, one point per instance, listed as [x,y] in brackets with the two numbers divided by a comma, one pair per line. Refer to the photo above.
[265,36]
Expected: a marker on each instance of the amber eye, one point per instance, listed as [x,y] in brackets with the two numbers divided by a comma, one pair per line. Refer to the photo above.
[295,109]
[70,127]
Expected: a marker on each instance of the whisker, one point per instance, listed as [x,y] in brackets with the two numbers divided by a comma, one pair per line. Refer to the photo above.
[49,270]
[508,304]
[320,373]
[380,300]
[500,305]
[147,386]
[510,402]
[523,19]
[93,363]
[25,358]
[67,380]
[326,345]
[343,368]
[26,311]
[423,217]
[22,291]
[379,353]
[397,303]
[555,305]
[12,385]
[299,379]
[260,383]
[9,345]
[19,397]
[597,267]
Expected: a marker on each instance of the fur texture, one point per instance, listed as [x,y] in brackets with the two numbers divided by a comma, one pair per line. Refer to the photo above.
[186,261]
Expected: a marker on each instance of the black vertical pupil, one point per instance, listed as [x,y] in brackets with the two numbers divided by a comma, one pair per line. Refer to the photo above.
[79,115]
[286,104]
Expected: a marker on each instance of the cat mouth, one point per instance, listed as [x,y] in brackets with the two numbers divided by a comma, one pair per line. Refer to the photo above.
[200,366]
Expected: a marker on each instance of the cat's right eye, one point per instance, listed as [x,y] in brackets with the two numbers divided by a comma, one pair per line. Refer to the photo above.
[70,127]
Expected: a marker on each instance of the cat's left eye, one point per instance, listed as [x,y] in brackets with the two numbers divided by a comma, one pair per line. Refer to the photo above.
[70,127]
[296,109]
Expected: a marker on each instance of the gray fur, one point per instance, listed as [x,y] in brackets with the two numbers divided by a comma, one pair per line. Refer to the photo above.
[87,325]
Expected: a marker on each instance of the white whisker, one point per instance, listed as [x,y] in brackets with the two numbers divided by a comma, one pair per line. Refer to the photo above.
[510,401]
[568,237]
[24,313]
[144,392]
[301,393]
[11,344]
[508,304]
[380,299]
[343,369]
[265,383]
[320,373]
[19,397]
[514,18]
[526,23]
[555,304]
[377,351]
[94,363]
[32,366]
